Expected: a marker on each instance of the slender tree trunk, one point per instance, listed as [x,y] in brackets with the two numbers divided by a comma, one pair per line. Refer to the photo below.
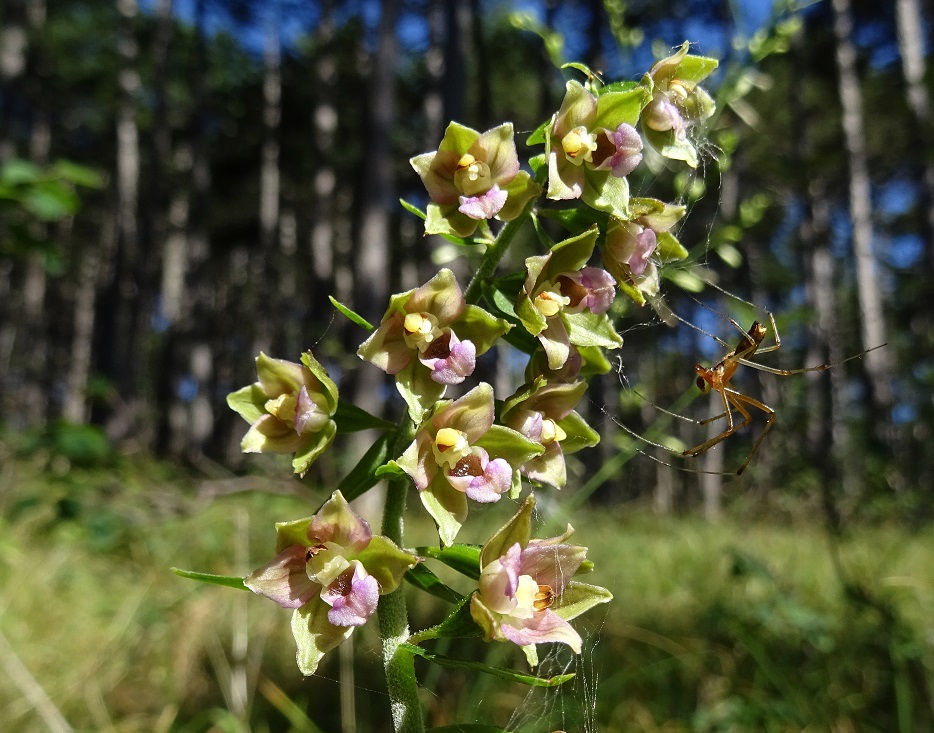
[267,312]
[372,256]
[873,329]
[910,20]
[13,45]
[324,122]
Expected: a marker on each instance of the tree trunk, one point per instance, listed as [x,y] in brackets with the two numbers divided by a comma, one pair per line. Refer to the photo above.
[911,27]
[873,331]
[267,313]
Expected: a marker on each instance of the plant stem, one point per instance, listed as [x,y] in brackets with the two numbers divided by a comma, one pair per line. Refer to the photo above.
[392,613]
[495,251]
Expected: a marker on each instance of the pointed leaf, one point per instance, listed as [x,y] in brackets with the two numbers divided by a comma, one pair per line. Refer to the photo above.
[413,209]
[365,474]
[358,319]
[350,419]
[459,624]
[424,579]
[506,674]
[579,597]
[465,559]
[225,580]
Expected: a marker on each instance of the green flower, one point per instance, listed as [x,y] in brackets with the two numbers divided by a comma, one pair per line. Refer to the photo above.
[633,248]
[331,569]
[544,412]
[526,594]
[459,454]
[677,102]
[564,303]
[592,145]
[289,409]
[429,338]
[473,177]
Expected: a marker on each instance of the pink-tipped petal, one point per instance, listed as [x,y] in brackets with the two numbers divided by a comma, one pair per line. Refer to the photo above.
[484,206]
[543,627]
[353,597]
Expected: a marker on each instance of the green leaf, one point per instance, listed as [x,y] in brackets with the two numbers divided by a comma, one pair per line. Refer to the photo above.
[364,475]
[592,329]
[51,200]
[16,172]
[459,624]
[225,580]
[506,674]
[424,579]
[684,279]
[411,208]
[80,175]
[579,597]
[350,419]
[730,255]
[465,559]
[359,320]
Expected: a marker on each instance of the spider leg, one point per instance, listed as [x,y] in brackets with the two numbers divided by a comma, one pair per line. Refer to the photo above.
[730,397]
[769,422]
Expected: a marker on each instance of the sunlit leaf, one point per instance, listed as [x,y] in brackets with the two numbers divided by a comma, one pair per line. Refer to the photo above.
[358,319]
[225,580]
[422,578]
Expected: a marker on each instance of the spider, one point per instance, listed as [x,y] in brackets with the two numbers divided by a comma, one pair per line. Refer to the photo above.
[717,378]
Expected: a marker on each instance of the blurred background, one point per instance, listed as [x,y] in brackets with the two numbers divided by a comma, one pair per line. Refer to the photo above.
[183,183]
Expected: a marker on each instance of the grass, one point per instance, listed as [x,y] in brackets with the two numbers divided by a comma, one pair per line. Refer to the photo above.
[738,626]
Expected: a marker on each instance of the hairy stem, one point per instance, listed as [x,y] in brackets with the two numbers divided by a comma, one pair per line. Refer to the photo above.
[401,682]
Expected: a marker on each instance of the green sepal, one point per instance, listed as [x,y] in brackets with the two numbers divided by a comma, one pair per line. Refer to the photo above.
[390,469]
[670,146]
[458,624]
[355,317]
[308,453]
[510,445]
[538,135]
[616,107]
[696,68]
[592,329]
[320,373]
[579,434]
[480,327]
[387,562]
[669,249]
[519,191]
[351,419]
[225,580]
[538,162]
[465,559]
[449,223]
[571,254]
[579,597]
[517,529]
[419,390]
[424,579]
[506,674]
[365,474]
[606,192]
[248,402]
[315,635]
[294,532]
[593,361]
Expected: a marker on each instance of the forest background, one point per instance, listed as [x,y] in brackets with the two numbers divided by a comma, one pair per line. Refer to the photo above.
[184,184]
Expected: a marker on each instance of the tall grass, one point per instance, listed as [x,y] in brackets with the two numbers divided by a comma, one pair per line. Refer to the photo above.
[729,627]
